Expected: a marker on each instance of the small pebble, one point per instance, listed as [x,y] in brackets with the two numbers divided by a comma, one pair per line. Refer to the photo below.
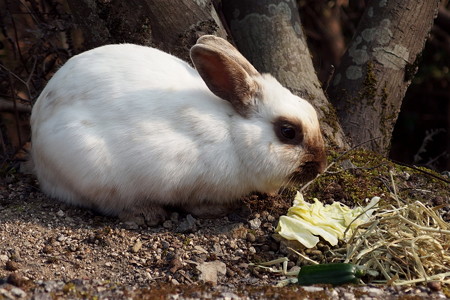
[47,249]
[312,289]
[175,264]
[374,292]
[270,218]
[174,217]
[11,266]
[407,176]
[348,296]
[60,213]
[165,244]
[255,223]
[18,292]
[131,225]
[438,200]
[137,246]
[313,252]
[200,249]
[16,279]
[230,273]
[5,294]
[333,294]
[217,249]
[73,248]
[3,257]
[187,225]
[435,286]
[168,224]
[250,237]
[61,238]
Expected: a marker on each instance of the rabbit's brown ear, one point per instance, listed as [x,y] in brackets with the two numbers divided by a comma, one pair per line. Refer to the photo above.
[223,45]
[225,76]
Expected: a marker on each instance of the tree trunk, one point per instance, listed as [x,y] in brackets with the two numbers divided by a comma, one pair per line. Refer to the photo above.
[369,85]
[172,26]
[269,34]
[367,88]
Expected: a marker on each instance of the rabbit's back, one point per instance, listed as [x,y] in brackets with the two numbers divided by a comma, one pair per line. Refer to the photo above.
[121,123]
[109,72]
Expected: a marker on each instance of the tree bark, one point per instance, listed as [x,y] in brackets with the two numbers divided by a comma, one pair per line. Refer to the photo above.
[269,34]
[367,88]
[369,85]
[172,26]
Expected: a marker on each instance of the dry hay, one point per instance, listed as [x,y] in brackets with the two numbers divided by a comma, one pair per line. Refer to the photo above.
[406,243]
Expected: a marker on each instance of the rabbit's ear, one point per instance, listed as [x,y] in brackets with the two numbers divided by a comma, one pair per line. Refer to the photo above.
[223,45]
[225,76]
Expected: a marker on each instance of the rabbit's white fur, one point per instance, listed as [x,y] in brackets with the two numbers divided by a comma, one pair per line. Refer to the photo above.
[122,127]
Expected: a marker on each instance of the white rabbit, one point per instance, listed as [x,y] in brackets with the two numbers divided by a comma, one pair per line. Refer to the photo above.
[129,130]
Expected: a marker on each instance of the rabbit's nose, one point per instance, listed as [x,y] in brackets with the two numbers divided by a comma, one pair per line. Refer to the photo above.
[308,171]
[322,165]
[317,160]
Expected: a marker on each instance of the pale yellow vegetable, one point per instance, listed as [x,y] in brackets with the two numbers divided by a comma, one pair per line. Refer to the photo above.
[305,222]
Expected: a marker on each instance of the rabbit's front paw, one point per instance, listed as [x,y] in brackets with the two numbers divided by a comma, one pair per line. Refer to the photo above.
[150,215]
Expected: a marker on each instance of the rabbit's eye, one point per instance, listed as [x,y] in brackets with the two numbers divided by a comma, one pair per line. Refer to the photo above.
[288,132]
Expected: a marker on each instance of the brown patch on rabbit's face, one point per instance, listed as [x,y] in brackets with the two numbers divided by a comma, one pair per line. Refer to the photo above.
[288,131]
[309,143]
[313,162]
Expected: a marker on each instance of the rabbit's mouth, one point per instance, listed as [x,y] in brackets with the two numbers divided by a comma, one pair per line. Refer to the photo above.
[307,171]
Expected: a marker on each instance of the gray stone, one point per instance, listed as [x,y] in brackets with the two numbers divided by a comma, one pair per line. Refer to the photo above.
[5,294]
[209,271]
[168,224]
[255,223]
[312,289]
[187,225]
[18,292]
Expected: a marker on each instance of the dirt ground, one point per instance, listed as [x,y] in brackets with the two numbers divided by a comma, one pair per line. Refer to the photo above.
[49,250]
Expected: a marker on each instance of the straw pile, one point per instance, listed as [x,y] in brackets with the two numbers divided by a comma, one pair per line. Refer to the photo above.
[406,243]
